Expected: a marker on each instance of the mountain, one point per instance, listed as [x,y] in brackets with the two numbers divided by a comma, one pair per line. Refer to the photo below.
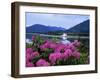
[38,28]
[80,28]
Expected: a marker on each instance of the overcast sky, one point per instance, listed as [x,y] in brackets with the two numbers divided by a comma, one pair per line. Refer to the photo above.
[59,20]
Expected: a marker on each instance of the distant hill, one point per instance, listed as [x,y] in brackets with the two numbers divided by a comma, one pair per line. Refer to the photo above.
[38,28]
[80,28]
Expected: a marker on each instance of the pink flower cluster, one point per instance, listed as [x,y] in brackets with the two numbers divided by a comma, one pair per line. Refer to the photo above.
[42,62]
[29,56]
[48,44]
[64,52]
[60,52]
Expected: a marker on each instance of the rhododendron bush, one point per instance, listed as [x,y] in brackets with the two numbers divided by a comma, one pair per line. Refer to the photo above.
[45,52]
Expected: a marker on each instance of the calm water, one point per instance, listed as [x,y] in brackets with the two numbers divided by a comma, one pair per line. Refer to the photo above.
[84,41]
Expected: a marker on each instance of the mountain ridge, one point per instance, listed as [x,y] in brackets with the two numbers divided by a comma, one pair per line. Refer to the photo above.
[79,28]
[42,28]
[82,27]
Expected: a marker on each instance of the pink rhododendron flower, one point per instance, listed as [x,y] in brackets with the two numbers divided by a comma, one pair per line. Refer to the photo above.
[76,43]
[43,47]
[29,64]
[76,54]
[58,56]
[42,62]
[67,54]
[52,45]
[72,47]
[48,44]
[34,54]
[54,57]
[60,47]
[57,52]
[47,41]
[28,58]
[29,50]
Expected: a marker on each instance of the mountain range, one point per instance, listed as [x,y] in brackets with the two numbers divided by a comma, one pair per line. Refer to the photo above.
[39,28]
[80,28]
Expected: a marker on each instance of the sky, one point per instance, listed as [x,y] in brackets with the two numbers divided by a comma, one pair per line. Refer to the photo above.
[59,20]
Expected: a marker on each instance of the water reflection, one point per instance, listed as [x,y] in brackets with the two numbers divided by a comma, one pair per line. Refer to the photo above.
[64,38]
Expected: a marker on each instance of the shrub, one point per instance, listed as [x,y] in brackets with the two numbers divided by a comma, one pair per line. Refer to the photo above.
[45,52]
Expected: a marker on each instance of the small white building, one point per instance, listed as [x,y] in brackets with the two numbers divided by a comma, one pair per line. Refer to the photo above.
[64,38]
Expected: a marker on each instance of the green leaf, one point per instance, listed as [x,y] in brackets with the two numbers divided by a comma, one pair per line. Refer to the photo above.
[28,45]
[36,59]
[45,56]
[48,50]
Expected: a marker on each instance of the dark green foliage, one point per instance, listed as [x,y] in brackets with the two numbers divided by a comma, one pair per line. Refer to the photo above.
[36,59]
[28,45]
